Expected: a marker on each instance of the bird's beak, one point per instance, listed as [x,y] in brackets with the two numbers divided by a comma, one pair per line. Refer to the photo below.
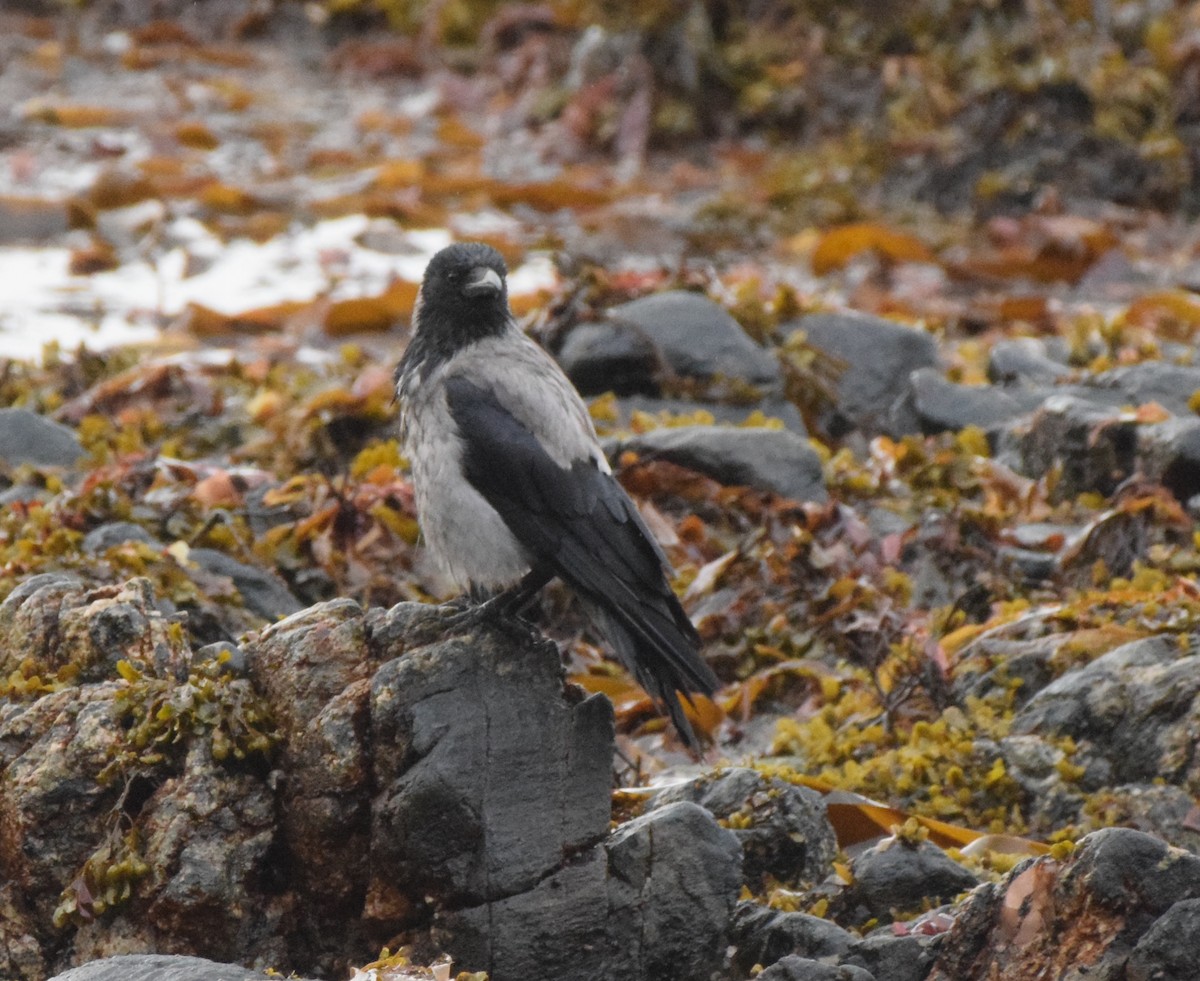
[483,281]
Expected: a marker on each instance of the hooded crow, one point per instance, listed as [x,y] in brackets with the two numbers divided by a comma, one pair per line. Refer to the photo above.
[512,488]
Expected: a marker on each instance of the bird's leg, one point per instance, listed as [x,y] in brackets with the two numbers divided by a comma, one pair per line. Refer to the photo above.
[505,608]
[517,599]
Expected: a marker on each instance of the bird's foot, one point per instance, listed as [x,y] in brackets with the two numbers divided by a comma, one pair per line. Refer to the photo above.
[461,616]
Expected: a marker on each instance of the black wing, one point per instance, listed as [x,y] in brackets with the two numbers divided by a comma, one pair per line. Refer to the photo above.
[580,523]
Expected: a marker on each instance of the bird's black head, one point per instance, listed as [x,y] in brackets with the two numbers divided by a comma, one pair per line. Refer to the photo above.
[463,298]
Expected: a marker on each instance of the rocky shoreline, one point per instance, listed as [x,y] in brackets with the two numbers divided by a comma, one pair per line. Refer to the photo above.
[929,480]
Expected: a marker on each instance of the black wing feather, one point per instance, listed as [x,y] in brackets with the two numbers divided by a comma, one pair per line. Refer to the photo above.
[580,523]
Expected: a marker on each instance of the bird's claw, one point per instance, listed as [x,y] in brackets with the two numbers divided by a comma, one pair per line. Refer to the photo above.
[460,615]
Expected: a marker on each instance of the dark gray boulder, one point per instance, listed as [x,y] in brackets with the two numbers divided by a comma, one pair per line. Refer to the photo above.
[1092,446]
[764,936]
[694,338]
[1133,713]
[678,872]
[783,829]
[774,460]
[610,357]
[795,968]
[653,903]
[892,958]
[486,809]
[113,533]
[1129,870]
[26,437]
[877,357]
[261,591]
[1170,385]
[159,967]
[942,405]
[1025,361]
[900,875]
[1169,452]
[1170,949]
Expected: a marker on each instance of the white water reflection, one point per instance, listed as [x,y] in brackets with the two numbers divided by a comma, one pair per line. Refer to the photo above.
[40,301]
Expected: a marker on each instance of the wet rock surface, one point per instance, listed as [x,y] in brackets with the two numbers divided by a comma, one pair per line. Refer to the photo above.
[783,829]
[902,875]
[695,337]
[765,936]
[1121,885]
[941,405]
[1133,712]
[26,437]
[794,968]
[875,358]
[158,967]
[449,789]
[774,460]
[930,604]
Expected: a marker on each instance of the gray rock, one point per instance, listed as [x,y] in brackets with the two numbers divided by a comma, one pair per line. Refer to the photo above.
[1118,539]
[653,903]
[996,662]
[794,968]
[878,356]
[891,958]
[1093,446]
[610,357]
[1163,810]
[1169,452]
[485,808]
[697,338]
[774,460]
[207,880]
[1025,361]
[26,437]
[20,949]
[763,936]
[1133,710]
[1113,278]
[52,620]
[159,967]
[682,871]
[1170,949]
[1170,385]
[261,591]
[783,829]
[29,617]
[898,875]
[1090,913]
[24,494]
[941,405]
[53,807]
[455,789]
[1032,763]
[103,537]
[235,657]
[314,670]
[1128,870]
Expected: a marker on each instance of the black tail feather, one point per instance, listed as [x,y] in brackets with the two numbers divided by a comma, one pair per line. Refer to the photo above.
[664,662]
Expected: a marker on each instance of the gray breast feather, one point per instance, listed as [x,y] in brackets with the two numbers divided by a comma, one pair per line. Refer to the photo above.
[462,531]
